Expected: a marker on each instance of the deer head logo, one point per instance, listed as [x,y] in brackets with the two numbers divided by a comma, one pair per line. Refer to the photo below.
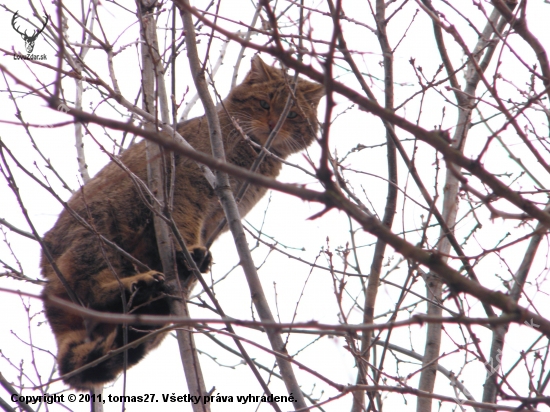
[29,40]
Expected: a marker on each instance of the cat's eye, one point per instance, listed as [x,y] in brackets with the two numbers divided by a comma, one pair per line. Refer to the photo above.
[264,104]
[292,115]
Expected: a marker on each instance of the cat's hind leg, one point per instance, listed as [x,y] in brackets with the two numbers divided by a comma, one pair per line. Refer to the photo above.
[141,288]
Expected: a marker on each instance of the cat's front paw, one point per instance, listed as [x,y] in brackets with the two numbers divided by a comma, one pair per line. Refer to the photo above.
[202,257]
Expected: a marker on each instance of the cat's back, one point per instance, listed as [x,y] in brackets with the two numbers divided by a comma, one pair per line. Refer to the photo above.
[113,205]
[104,202]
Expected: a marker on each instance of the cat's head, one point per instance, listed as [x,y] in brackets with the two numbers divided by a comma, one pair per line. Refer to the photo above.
[257,104]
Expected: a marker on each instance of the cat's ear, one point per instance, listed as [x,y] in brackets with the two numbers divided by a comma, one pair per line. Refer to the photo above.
[312,91]
[260,72]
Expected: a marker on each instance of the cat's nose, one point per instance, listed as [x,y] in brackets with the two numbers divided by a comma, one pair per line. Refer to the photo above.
[271,123]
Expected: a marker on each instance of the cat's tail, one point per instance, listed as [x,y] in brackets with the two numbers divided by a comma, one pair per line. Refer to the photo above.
[76,351]
[85,363]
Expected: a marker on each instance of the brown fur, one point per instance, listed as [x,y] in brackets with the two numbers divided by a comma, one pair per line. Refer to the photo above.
[110,202]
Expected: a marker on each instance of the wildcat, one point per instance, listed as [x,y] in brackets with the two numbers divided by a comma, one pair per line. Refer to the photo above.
[111,204]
